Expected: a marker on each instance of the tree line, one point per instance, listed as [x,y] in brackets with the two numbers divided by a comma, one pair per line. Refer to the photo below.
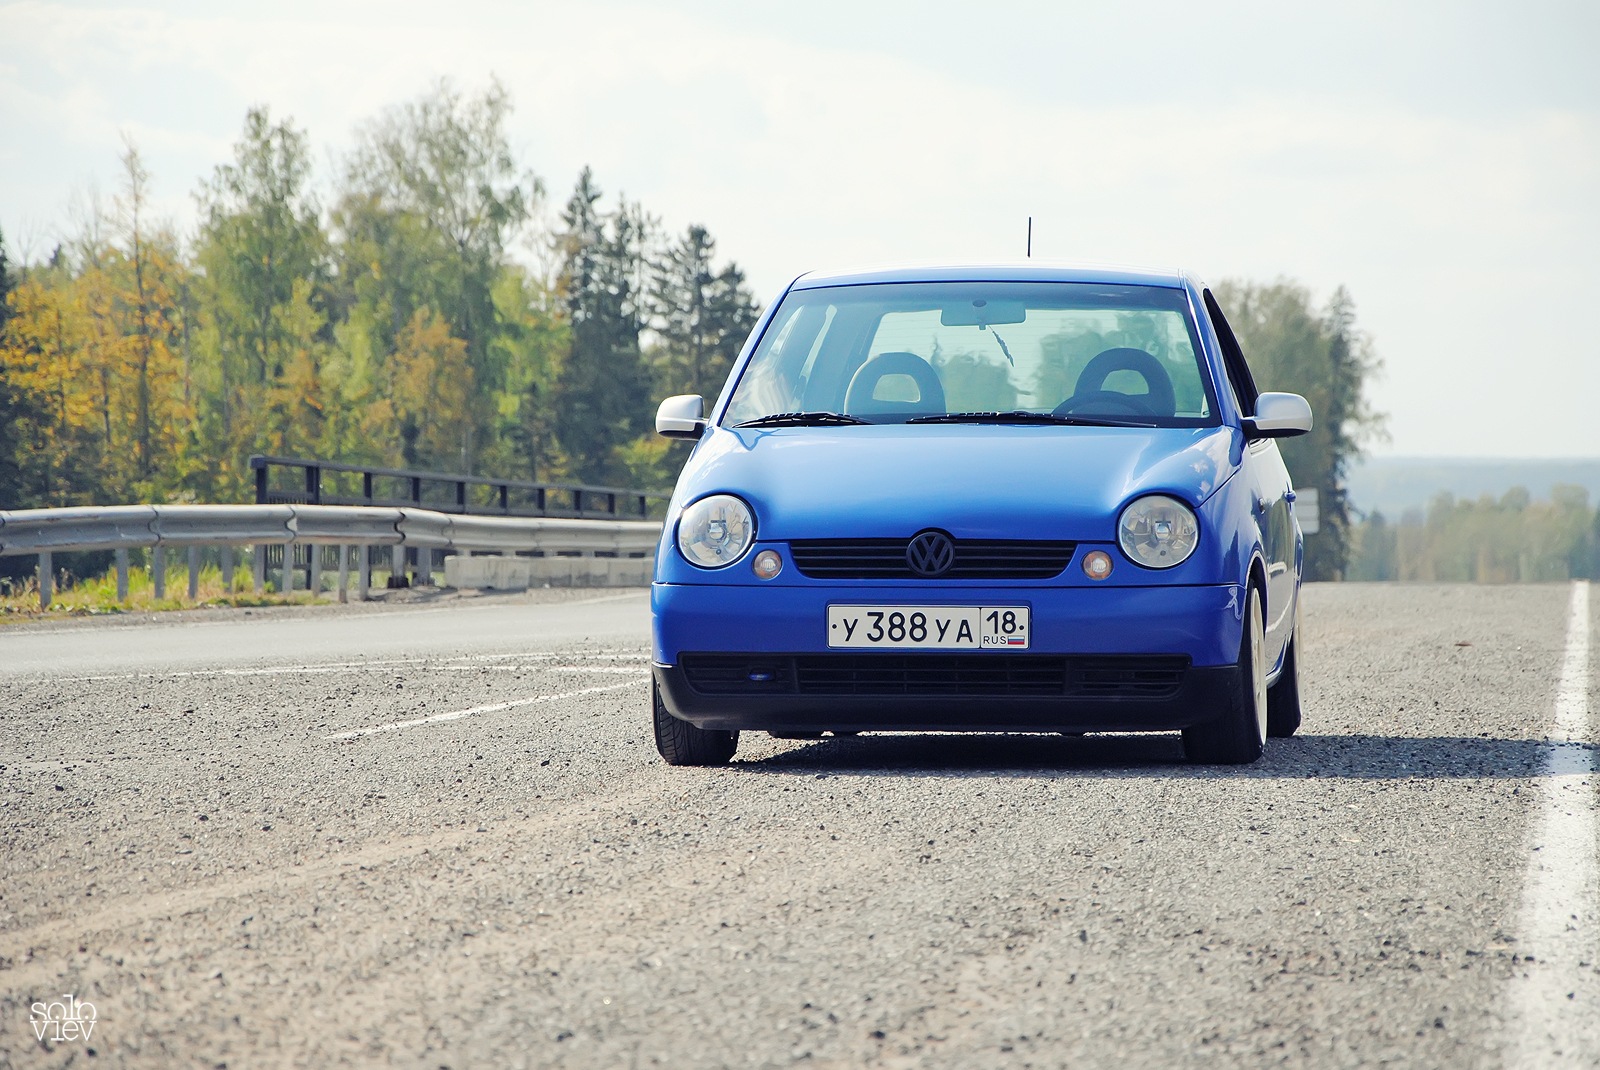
[426,316]
[393,326]
[1510,539]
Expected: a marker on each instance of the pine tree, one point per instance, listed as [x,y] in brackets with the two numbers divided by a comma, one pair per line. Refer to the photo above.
[602,397]
[703,316]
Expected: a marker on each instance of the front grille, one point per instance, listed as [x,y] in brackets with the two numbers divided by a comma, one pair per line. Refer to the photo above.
[998,674]
[885,559]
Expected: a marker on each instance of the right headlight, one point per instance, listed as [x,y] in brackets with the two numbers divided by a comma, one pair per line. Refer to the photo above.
[1157,531]
[715,531]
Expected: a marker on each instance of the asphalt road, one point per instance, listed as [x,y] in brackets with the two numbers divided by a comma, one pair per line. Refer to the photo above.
[200,836]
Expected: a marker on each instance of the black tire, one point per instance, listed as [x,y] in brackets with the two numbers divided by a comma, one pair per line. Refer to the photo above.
[1239,735]
[1283,697]
[681,743]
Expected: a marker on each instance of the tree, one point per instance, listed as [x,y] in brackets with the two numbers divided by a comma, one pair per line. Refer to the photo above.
[264,256]
[602,395]
[146,274]
[22,410]
[702,316]
[440,169]
[428,392]
[1323,355]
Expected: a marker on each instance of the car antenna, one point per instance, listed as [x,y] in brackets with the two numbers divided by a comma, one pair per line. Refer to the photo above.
[1030,237]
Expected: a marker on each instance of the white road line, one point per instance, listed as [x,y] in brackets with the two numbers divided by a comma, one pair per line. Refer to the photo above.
[456,715]
[1555,995]
[454,664]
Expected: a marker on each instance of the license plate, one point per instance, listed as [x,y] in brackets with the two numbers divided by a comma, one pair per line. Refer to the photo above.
[929,627]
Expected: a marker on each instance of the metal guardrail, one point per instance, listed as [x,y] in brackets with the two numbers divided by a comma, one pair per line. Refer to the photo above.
[318,483]
[125,527]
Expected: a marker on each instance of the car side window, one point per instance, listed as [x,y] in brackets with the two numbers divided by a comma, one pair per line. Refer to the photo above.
[1244,384]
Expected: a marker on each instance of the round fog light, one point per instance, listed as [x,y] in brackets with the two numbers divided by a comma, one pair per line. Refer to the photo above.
[767,564]
[1097,565]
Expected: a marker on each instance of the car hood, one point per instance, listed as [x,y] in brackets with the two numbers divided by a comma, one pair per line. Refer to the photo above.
[972,480]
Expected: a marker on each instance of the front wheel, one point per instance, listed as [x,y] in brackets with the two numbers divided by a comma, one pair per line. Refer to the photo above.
[681,743]
[1240,735]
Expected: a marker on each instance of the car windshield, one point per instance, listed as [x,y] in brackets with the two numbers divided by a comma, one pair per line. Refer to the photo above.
[980,352]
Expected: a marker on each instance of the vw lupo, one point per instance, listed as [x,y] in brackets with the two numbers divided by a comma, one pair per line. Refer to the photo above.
[1014,498]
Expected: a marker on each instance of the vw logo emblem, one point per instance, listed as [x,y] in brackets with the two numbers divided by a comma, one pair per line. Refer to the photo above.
[930,554]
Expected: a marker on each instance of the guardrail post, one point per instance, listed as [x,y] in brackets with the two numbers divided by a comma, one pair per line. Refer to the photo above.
[344,571]
[425,566]
[122,576]
[194,573]
[226,553]
[316,569]
[363,571]
[260,568]
[46,579]
[288,568]
[158,570]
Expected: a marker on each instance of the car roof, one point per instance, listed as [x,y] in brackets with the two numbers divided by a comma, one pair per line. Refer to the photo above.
[1033,270]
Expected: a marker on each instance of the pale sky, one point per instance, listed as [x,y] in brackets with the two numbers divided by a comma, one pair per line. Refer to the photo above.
[1440,159]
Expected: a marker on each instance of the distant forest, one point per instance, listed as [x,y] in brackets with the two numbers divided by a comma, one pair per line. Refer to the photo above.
[421,316]
[393,325]
[1507,539]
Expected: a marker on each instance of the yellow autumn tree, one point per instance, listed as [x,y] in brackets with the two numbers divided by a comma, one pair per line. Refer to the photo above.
[426,409]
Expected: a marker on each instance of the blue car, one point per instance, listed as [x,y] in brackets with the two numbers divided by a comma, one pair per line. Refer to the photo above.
[995,498]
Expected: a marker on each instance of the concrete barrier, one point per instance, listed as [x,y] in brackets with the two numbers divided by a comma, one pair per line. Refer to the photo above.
[495,572]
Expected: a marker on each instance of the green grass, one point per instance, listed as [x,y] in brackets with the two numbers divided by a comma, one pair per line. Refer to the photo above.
[75,597]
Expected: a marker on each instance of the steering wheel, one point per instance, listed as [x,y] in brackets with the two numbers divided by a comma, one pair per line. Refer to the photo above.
[1134,404]
[1158,400]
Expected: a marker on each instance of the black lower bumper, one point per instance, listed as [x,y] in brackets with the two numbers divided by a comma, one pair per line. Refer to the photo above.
[994,692]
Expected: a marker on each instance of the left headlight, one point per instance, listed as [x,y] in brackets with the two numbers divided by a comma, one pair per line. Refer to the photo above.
[1157,531]
[715,531]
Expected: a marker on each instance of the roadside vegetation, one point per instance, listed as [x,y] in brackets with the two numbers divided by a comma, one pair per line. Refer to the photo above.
[97,595]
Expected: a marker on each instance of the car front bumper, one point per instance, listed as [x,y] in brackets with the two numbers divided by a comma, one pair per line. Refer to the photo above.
[1107,659]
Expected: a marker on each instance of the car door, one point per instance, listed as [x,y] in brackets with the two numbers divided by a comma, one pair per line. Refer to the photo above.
[1266,479]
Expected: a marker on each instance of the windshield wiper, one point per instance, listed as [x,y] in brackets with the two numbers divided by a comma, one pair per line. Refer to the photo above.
[801,419]
[1022,416]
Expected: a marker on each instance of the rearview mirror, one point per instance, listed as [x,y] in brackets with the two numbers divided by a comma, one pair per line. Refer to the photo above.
[1279,416]
[681,416]
[982,313]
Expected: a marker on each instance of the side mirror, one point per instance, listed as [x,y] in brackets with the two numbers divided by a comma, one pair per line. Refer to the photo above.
[1279,416]
[682,416]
